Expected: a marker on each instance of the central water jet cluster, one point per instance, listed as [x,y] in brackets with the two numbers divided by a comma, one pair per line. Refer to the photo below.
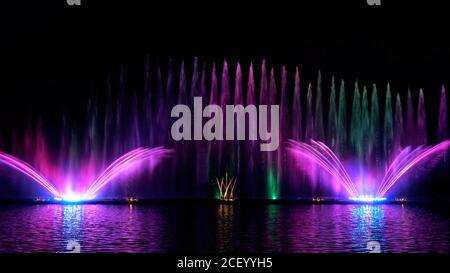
[363,139]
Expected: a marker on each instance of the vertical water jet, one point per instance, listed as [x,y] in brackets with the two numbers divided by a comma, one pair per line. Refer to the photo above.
[442,132]
[332,118]
[366,137]
[410,127]
[309,130]
[297,109]
[398,126]
[318,114]
[342,122]
[421,121]
[375,146]
[388,133]
[355,124]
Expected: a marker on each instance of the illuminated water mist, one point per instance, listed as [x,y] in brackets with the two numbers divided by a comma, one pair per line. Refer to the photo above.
[362,127]
[119,167]
[406,160]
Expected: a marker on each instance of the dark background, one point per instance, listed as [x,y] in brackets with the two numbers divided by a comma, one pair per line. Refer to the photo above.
[53,57]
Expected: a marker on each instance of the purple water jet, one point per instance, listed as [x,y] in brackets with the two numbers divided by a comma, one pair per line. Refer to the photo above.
[406,160]
[119,167]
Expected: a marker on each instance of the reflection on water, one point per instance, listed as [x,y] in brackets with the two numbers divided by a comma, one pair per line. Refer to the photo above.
[72,223]
[272,230]
[223,228]
[367,224]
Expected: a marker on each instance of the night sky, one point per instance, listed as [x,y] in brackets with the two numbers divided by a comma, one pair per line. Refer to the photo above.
[54,56]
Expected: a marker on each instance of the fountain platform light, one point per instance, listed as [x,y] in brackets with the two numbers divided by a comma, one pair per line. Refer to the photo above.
[367,199]
[132,199]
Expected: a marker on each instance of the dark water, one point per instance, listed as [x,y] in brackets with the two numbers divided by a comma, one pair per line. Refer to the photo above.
[223,228]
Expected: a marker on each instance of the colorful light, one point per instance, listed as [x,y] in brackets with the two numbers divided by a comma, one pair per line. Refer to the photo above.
[407,159]
[226,187]
[367,199]
[120,166]
[73,198]
[370,134]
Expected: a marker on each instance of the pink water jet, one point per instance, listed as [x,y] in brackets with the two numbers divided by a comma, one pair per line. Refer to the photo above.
[318,153]
[87,190]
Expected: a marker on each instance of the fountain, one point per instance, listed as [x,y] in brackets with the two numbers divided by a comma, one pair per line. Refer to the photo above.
[406,160]
[119,167]
[358,136]
[226,186]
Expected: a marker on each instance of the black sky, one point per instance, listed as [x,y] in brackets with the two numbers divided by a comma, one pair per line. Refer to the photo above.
[53,56]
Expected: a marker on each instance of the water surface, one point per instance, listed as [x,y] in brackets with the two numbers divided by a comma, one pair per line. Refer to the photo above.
[223,228]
